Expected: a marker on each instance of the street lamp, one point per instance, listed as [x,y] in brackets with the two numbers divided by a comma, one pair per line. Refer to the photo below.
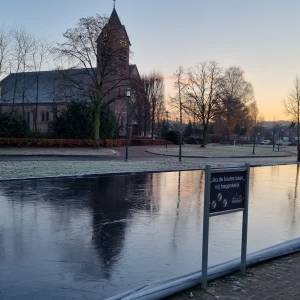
[167,113]
[128,96]
[167,126]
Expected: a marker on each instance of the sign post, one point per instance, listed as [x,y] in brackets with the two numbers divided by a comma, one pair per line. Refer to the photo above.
[245,225]
[206,227]
[226,191]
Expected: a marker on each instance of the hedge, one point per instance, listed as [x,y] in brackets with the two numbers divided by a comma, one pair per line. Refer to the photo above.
[26,142]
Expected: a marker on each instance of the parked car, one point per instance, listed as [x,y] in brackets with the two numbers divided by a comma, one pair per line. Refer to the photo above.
[283,143]
[266,142]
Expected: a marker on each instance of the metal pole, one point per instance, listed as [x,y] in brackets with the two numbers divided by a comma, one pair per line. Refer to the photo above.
[206,226]
[273,139]
[127,121]
[245,225]
[180,146]
[167,113]
[254,141]
[279,139]
[298,124]
[180,132]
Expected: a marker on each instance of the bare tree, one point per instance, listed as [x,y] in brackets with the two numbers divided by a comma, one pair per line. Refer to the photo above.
[15,65]
[4,52]
[292,106]
[160,115]
[82,43]
[235,94]
[178,102]
[141,110]
[22,47]
[154,89]
[40,54]
[201,93]
[25,42]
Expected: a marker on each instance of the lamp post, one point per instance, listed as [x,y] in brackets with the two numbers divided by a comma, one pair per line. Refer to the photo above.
[167,114]
[167,127]
[279,137]
[128,96]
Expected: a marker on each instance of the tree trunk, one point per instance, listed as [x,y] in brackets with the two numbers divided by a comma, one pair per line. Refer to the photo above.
[254,142]
[23,96]
[15,91]
[36,104]
[180,128]
[204,136]
[298,131]
[97,123]
[273,137]
[144,127]
[152,123]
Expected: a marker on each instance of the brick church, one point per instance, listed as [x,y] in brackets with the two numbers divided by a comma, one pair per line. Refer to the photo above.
[41,97]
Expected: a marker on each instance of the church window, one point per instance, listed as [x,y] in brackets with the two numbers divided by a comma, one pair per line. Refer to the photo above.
[123,43]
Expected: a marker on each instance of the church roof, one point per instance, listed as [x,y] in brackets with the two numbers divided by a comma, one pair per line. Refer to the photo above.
[57,86]
[54,86]
[134,72]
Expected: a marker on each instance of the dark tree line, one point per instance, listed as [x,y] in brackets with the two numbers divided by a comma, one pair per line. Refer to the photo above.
[77,121]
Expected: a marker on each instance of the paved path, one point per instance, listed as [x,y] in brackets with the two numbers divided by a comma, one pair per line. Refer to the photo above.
[225,151]
[145,152]
[277,280]
[25,151]
[75,154]
[19,166]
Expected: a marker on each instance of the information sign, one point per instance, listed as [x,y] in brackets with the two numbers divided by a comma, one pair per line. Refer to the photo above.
[226,191]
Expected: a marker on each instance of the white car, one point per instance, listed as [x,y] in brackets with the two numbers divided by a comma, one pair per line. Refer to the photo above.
[284,143]
[266,142]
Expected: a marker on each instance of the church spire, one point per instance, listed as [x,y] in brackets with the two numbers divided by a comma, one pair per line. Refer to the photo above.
[114,18]
[114,26]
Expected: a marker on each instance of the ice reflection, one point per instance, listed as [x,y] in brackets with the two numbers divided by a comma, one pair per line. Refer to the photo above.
[293,198]
[95,237]
[68,231]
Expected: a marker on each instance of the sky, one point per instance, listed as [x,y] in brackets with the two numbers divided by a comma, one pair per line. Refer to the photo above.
[260,36]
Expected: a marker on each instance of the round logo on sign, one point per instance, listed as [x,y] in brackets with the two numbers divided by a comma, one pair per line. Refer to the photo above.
[214,205]
[220,197]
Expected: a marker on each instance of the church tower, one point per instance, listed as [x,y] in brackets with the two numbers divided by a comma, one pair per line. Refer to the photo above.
[113,68]
[113,48]
[115,75]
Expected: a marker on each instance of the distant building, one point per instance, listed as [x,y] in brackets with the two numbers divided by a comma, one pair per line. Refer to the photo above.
[40,96]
